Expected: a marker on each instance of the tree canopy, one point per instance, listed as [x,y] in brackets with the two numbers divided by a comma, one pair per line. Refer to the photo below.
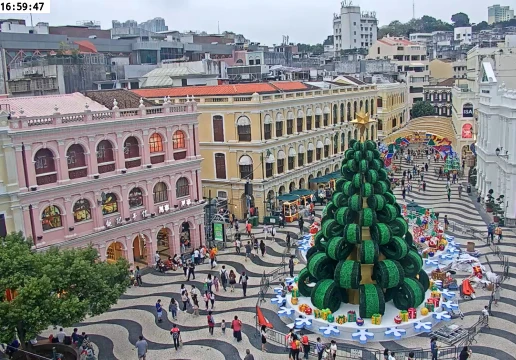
[426,24]
[316,49]
[56,287]
[422,108]
[460,19]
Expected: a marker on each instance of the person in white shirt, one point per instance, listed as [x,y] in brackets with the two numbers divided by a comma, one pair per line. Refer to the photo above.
[196,256]
[333,350]
[485,314]
[157,258]
[392,356]
[61,335]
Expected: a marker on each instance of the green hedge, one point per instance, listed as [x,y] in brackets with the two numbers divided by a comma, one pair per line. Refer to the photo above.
[348,274]
[372,176]
[358,156]
[399,226]
[387,214]
[357,181]
[311,252]
[331,228]
[349,154]
[355,202]
[381,187]
[344,216]
[319,241]
[304,277]
[367,217]
[388,273]
[367,190]
[352,233]
[338,248]
[321,266]
[412,263]
[369,155]
[382,174]
[326,295]
[424,280]
[369,252]
[381,233]
[363,166]
[371,301]
[348,189]
[338,199]
[391,199]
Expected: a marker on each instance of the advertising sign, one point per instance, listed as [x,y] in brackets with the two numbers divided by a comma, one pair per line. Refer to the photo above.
[218,231]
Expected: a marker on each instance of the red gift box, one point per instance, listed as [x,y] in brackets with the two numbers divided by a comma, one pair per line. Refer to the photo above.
[435,301]
[412,313]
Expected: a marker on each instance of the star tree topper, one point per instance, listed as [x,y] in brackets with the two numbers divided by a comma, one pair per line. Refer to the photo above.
[362,122]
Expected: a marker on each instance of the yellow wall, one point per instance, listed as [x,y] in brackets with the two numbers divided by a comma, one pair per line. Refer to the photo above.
[395,108]
[440,69]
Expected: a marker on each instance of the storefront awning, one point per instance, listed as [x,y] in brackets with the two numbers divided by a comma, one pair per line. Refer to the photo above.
[287,197]
[302,192]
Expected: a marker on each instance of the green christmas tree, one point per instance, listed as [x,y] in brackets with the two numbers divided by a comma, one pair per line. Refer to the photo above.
[364,253]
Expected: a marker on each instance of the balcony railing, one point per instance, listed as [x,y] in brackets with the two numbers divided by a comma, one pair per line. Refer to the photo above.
[20,122]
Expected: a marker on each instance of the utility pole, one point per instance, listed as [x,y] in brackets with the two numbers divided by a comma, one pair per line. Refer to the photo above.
[413,9]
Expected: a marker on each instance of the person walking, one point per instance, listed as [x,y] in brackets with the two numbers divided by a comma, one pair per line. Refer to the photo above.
[434,349]
[191,271]
[498,233]
[238,244]
[333,350]
[465,353]
[212,300]
[262,247]
[256,246]
[236,325]
[211,323]
[490,232]
[185,268]
[306,346]
[485,315]
[446,222]
[172,308]
[195,306]
[213,254]
[248,250]
[243,280]
[426,165]
[295,346]
[176,336]
[287,239]
[263,332]
[424,185]
[248,355]
[216,283]
[206,298]
[319,348]
[138,276]
[184,296]
[232,280]
[142,347]
[449,194]
[224,277]
[300,224]
[459,188]
[248,228]
[273,233]
[403,193]
[291,266]
[385,354]
[159,310]
[208,282]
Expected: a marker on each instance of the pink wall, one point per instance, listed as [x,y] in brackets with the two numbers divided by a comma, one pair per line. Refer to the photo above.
[65,192]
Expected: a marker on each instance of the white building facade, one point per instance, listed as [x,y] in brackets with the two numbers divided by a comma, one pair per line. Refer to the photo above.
[353,29]
[497,13]
[496,148]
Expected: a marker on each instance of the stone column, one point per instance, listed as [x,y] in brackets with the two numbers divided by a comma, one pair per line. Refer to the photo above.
[93,167]
[61,163]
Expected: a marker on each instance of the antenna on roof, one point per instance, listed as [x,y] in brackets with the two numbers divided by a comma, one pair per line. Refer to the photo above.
[413,9]
[218,27]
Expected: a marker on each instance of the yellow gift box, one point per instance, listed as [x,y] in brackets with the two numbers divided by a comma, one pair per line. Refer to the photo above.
[294,301]
[404,315]
[341,319]
[317,313]
[376,319]
[325,313]
[435,294]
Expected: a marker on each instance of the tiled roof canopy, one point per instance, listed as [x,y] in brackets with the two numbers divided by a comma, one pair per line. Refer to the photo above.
[125,98]
[47,105]
[221,90]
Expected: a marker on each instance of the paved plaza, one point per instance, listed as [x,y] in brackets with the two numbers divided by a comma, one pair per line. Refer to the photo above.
[115,332]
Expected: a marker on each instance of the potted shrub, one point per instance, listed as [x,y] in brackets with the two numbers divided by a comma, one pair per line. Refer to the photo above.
[490,201]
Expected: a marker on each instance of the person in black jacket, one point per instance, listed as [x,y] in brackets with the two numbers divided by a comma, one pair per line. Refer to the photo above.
[291,265]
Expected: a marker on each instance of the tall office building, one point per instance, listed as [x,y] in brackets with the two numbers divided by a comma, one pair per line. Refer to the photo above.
[497,13]
[353,29]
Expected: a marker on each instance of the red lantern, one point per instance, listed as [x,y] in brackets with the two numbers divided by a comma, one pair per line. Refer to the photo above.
[412,313]
[308,311]
[397,319]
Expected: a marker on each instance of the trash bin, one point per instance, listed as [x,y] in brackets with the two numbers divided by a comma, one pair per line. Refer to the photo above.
[470,247]
[253,220]
[271,220]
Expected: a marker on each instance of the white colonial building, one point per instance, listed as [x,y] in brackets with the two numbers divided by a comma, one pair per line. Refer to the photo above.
[496,147]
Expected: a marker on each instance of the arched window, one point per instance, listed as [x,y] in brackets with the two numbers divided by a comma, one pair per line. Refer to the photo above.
[109,204]
[244,129]
[51,218]
[155,143]
[218,128]
[361,106]
[76,162]
[179,140]
[342,142]
[335,114]
[81,210]
[356,134]
[367,106]
[245,165]
[182,187]
[135,198]
[393,123]
[45,167]
[342,112]
[349,111]
[132,152]
[380,125]
[336,143]
[267,127]
[355,110]
[279,124]
[105,157]
[299,121]
[179,145]
[160,192]
[220,166]
[372,107]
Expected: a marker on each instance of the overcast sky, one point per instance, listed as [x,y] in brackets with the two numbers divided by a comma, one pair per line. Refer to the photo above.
[265,21]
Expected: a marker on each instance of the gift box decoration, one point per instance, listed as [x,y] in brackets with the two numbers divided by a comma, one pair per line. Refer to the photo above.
[404,315]
[438,275]
[424,311]
[352,316]
[477,270]
[325,313]
[330,318]
[435,301]
[435,293]
[290,287]
[308,311]
[360,321]
[295,292]
[376,319]
[412,313]
[430,306]
[397,319]
[341,319]
[294,301]
[317,313]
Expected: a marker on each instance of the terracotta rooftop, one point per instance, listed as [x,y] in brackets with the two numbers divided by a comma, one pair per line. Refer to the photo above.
[125,98]
[448,82]
[395,41]
[221,90]
[46,105]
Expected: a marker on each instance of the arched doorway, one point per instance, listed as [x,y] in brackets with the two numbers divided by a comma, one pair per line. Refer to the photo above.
[185,239]
[336,168]
[140,250]
[114,252]
[281,190]
[319,174]
[163,241]
[271,203]
[247,202]
[302,183]
[292,186]
[327,171]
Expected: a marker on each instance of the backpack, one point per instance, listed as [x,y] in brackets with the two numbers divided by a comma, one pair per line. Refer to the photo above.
[175,334]
[223,276]
[295,345]
[305,339]
[211,321]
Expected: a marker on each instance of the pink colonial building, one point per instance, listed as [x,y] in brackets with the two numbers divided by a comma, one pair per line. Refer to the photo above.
[122,176]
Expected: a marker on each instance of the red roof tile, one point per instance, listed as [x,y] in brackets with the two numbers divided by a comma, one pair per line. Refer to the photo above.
[221,90]
[392,41]
[447,82]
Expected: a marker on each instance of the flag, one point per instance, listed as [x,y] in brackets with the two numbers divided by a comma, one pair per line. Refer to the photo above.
[261,319]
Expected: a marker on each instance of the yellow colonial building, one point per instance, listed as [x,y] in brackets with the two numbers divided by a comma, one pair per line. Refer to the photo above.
[277,136]
[393,110]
